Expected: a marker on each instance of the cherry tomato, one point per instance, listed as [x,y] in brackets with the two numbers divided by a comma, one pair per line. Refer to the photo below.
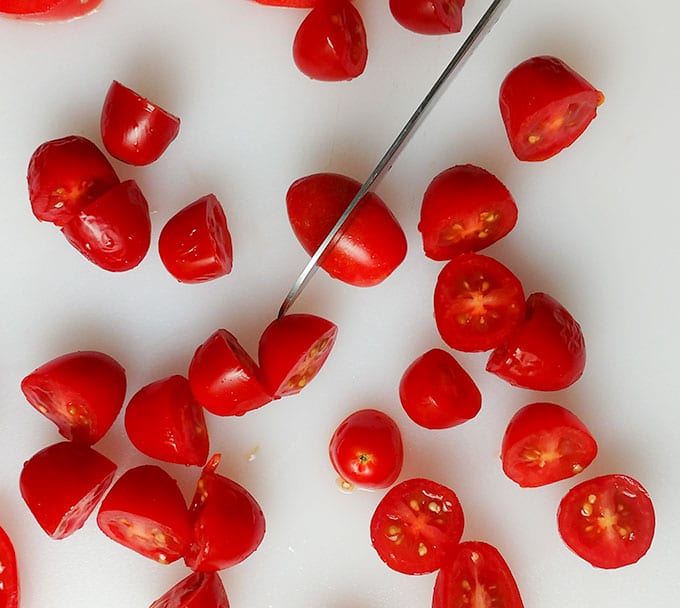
[62,485]
[366,450]
[430,17]
[114,231]
[289,3]
[330,43]
[10,591]
[546,353]
[544,443]
[608,521]
[546,106]
[198,590]
[373,245]
[437,393]
[478,303]
[81,392]
[65,175]
[476,575]
[135,130]
[228,523]
[195,244]
[465,208]
[292,349]
[164,421]
[47,10]
[145,511]
[416,525]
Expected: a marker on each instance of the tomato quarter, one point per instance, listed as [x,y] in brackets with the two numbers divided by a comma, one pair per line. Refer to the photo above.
[198,590]
[10,591]
[430,17]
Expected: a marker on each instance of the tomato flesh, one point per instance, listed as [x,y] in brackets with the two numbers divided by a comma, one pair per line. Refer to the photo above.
[431,17]
[10,591]
[47,10]
[198,590]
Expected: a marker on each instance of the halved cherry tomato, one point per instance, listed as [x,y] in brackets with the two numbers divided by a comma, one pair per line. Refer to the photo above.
[228,523]
[164,421]
[330,43]
[62,485]
[465,208]
[437,393]
[145,511]
[546,353]
[430,17]
[289,3]
[546,106]
[478,302]
[608,521]
[198,590]
[544,443]
[416,525]
[476,575]
[373,245]
[47,10]
[10,591]
[81,392]
[65,175]
[113,231]
[366,450]
[195,244]
[291,351]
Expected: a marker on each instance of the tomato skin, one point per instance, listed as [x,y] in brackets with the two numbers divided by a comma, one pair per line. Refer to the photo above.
[62,484]
[366,449]
[198,590]
[545,106]
[546,353]
[47,10]
[373,245]
[431,17]
[608,521]
[437,393]
[164,421]
[330,44]
[475,574]
[65,175]
[10,589]
[416,525]
[195,244]
[465,208]
[544,443]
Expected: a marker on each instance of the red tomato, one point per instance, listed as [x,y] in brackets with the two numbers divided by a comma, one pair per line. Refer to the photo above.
[544,443]
[62,484]
[65,175]
[330,43]
[476,575]
[465,208]
[608,521]
[545,106]
[224,378]
[47,10]
[9,574]
[114,231]
[198,590]
[145,511]
[164,421]
[478,303]
[437,393]
[431,17]
[366,450]
[416,525]
[289,3]
[195,244]
[292,350]
[81,392]
[228,523]
[135,130]
[546,353]
[373,245]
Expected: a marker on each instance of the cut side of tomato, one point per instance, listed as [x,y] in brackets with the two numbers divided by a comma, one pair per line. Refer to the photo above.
[10,591]
[431,17]
[198,590]
[289,3]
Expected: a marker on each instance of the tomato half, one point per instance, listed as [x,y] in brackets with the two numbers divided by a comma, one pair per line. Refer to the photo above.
[546,353]
[478,302]
[416,525]
[476,575]
[198,590]
[10,591]
[430,17]
[544,443]
[608,521]
[437,393]
[372,246]
[546,106]
[47,10]
[289,3]
[330,43]
[465,208]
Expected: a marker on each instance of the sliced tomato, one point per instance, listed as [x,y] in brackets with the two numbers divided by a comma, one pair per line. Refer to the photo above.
[432,17]
[608,521]
[10,591]
[198,590]
[289,3]
[47,10]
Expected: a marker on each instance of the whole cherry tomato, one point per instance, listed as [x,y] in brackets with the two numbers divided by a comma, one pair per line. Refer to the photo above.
[430,17]
[47,10]
[366,450]
[198,590]
[10,591]
[546,106]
